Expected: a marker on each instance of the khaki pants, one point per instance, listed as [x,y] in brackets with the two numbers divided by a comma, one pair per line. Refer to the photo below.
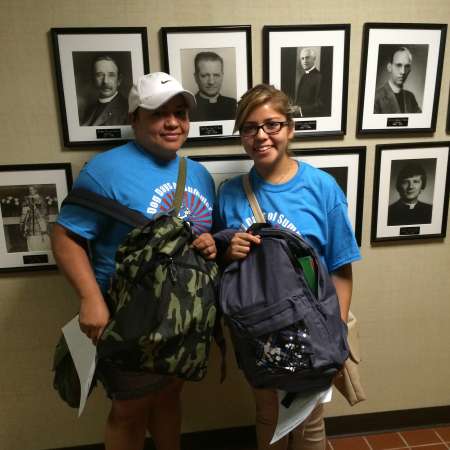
[309,435]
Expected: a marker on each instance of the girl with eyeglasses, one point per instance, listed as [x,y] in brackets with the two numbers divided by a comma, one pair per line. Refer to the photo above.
[296,196]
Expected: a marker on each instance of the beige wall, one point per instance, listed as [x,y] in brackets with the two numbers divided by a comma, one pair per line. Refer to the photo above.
[401,293]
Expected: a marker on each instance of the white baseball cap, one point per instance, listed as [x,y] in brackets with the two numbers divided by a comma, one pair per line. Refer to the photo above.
[154,89]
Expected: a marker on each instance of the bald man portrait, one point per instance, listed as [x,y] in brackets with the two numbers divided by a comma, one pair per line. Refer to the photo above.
[391,97]
[309,91]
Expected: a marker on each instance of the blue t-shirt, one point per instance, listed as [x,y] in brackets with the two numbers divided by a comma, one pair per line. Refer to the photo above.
[310,204]
[142,182]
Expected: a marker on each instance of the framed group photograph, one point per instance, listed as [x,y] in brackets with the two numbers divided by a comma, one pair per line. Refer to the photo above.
[215,64]
[30,198]
[345,164]
[410,194]
[310,64]
[95,70]
[400,81]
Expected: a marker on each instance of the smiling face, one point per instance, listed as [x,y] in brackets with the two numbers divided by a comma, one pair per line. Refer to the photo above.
[209,77]
[410,188]
[399,68]
[163,131]
[267,150]
[106,78]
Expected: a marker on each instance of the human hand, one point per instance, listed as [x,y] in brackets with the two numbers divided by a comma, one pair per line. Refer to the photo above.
[206,246]
[93,317]
[240,245]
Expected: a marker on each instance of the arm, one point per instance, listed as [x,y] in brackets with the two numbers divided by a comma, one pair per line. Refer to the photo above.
[70,254]
[343,282]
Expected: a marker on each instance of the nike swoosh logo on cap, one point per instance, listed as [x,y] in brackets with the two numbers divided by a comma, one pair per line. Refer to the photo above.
[164,82]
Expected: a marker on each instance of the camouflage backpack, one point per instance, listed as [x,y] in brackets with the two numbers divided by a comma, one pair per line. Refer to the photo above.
[163,294]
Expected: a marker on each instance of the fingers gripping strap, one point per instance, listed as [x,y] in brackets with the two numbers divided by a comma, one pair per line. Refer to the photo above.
[257,212]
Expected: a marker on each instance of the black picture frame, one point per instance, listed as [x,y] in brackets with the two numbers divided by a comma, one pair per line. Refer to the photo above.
[30,199]
[418,50]
[424,169]
[447,126]
[320,97]
[220,47]
[76,51]
[348,162]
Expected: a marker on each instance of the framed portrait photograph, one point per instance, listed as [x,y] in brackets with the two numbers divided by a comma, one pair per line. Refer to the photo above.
[410,194]
[214,63]
[447,126]
[95,69]
[345,164]
[310,64]
[401,72]
[30,199]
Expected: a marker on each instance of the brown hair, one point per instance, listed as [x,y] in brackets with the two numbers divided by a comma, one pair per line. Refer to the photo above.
[258,96]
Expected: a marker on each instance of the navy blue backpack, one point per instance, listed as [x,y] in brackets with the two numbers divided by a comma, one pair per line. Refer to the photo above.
[285,335]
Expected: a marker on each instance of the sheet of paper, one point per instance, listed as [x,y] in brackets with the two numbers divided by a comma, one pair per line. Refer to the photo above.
[84,355]
[301,407]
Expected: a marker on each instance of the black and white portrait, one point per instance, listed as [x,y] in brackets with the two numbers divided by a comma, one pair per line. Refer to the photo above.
[307,76]
[411,191]
[310,64]
[401,71]
[400,80]
[95,69]
[28,211]
[103,81]
[210,73]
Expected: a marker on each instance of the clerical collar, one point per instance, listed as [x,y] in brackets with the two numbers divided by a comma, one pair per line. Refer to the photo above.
[410,205]
[395,89]
[108,99]
[312,68]
[210,99]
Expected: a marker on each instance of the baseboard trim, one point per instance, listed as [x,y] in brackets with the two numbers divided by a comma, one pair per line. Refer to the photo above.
[235,438]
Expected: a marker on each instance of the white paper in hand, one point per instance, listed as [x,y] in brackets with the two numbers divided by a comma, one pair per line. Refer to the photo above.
[301,407]
[84,354]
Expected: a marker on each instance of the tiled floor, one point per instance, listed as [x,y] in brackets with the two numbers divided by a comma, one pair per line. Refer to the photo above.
[437,438]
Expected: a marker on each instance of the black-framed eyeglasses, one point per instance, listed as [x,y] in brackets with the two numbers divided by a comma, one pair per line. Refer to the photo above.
[271,127]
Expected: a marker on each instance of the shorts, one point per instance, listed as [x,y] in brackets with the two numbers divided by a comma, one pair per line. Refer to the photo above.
[126,385]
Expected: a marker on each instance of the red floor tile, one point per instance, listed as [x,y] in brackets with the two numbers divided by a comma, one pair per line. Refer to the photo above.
[350,443]
[420,437]
[385,441]
[444,433]
[431,447]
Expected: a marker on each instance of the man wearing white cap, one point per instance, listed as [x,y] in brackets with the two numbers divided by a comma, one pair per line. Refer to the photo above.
[142,175]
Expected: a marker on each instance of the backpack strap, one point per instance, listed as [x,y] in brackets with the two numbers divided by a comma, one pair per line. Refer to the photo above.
[181,182]
[106,206]
[257,212]
[117,211]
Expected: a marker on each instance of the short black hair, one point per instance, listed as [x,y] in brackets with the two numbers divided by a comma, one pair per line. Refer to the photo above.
[409,170]
[207,56]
